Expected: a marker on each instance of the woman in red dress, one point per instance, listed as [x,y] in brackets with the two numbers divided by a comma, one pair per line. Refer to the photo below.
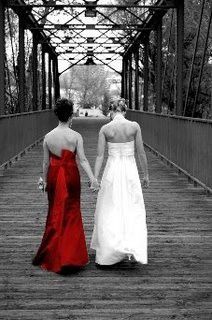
[63,245]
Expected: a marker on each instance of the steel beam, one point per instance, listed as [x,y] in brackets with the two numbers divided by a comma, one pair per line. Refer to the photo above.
[146,75]
[91,27]
[121,7]
[123,71]
[180,42]
[50,81]
[124,83]
[56,78]
[35,73]
[21,66]
[2,57]
[130,82]
[43,77]
[159,67]
[136,87]
[126,79]
[22,10]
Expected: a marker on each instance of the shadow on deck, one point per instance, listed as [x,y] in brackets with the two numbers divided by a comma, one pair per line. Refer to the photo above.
[176,284]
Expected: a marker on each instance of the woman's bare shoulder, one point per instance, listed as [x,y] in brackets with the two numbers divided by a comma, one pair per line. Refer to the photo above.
[50,134]
[75,134]
[105,127]
[134,124]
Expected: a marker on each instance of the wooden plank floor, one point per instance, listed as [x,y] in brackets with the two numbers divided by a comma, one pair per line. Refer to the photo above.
[176,284]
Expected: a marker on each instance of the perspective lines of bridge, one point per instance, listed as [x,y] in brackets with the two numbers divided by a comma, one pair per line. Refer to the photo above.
[175,284]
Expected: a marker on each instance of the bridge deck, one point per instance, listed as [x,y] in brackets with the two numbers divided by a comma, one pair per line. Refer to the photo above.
[176,284]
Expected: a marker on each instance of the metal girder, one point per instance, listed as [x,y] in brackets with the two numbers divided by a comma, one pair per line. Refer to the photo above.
[136,57]
[146,75]
[50,81]
[106,64]
[35,72]
[151,22]
[167,5]
[131,36]
[20,8]
[130,81]
[87,53]
[87,27]
[72,65]
[43,70]
[21,67]
[158,67]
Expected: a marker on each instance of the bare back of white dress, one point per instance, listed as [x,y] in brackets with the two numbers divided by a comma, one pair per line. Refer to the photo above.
[120,217]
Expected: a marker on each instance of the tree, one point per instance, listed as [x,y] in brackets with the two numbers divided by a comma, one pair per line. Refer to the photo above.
[90,83]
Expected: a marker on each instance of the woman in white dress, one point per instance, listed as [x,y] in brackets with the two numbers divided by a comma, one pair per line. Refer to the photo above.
[120,218]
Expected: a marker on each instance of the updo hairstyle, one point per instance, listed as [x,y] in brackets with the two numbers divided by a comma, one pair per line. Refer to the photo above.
[118,105]
[63,109]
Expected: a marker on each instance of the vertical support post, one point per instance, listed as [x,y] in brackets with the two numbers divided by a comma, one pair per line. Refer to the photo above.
[21,66]
[35,73]
[123,71]
[146,75]
[136,55]
[53,77]
[159,67]
[130,81]
[180,42]
[43,78]
[57,80]
[126,74]
[2,57]
[126,79]
[50,80]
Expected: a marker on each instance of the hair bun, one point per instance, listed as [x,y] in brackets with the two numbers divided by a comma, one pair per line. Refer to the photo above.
[118,105]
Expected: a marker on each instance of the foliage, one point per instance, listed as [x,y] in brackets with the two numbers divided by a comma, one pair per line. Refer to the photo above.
[192,12]
[11,44]
[87,83]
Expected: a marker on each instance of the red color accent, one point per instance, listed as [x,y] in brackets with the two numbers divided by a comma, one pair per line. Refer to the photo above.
[63,243]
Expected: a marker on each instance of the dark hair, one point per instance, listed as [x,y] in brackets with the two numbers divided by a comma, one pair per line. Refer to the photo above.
[63,109]
[118,105]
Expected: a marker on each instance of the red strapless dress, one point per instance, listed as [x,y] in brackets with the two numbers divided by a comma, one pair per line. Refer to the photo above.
[63,243]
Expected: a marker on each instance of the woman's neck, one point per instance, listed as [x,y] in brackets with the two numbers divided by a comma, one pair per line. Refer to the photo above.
[118,115]
[63,124]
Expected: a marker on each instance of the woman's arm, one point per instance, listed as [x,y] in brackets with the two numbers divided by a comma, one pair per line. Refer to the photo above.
[45,161]
[83,160]
[141,154]
[100,153]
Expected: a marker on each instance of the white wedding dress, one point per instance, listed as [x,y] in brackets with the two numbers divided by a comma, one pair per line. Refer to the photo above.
[120,218]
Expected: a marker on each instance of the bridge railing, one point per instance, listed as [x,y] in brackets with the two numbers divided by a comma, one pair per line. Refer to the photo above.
[184,142]
[19,131]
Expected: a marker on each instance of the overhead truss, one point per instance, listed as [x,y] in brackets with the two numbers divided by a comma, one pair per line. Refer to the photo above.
[105,31]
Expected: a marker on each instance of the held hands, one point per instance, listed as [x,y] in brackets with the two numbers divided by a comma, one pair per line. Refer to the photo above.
[145,182]
[94,185]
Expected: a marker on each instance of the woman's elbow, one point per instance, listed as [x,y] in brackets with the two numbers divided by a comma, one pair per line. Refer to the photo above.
[99,157]
[83,161]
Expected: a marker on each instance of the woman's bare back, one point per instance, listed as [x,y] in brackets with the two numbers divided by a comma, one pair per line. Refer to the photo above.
[120,131]
[61,138]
